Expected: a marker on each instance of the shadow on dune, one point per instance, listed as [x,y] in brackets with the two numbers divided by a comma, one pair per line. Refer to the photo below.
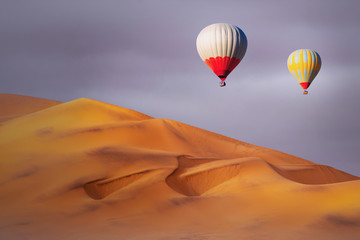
[101,188]
[195,176]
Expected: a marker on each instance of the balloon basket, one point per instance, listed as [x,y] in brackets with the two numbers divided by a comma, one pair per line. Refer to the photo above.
[305,92]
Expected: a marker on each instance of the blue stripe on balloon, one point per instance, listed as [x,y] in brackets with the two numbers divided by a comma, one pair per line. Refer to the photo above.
[306,79]
[297,56]
[293,72]
[300,76]
[291,55]
[312,56]
[311,75]
[318,58]
[305,56]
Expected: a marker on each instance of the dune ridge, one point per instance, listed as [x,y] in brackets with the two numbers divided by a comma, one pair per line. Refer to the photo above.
[99,189]
[313,174]
[192,178]
[13,105]
[196,176]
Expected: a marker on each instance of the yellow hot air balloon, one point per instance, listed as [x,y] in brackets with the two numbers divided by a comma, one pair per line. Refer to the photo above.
[304,65]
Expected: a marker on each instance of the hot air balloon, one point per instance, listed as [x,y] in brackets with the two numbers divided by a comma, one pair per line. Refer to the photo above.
[304,64]
[221,46]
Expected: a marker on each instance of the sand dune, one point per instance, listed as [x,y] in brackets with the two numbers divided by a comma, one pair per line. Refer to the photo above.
[90,170]
[17,105]
[195,176]
[203,174]
[313,174]
[101,188]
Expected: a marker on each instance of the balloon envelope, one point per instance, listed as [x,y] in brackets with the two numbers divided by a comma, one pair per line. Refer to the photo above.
[304,65]
[221,46]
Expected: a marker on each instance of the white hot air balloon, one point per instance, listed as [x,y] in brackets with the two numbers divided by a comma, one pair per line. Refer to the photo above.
[221,46]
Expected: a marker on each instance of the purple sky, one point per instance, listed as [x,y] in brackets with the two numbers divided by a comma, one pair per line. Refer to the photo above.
[142,55]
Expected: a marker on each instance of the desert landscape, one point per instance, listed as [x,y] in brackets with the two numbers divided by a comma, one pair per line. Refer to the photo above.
[85,169]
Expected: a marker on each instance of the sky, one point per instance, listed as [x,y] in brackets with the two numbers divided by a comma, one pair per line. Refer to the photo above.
[142,55]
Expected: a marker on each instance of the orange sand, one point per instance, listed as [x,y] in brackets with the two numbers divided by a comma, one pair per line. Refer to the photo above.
[91,170]
[16,105]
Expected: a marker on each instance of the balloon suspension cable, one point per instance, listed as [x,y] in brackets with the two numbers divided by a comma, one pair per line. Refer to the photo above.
[305,92]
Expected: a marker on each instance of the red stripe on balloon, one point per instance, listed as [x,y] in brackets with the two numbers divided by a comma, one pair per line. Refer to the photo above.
[222,66]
